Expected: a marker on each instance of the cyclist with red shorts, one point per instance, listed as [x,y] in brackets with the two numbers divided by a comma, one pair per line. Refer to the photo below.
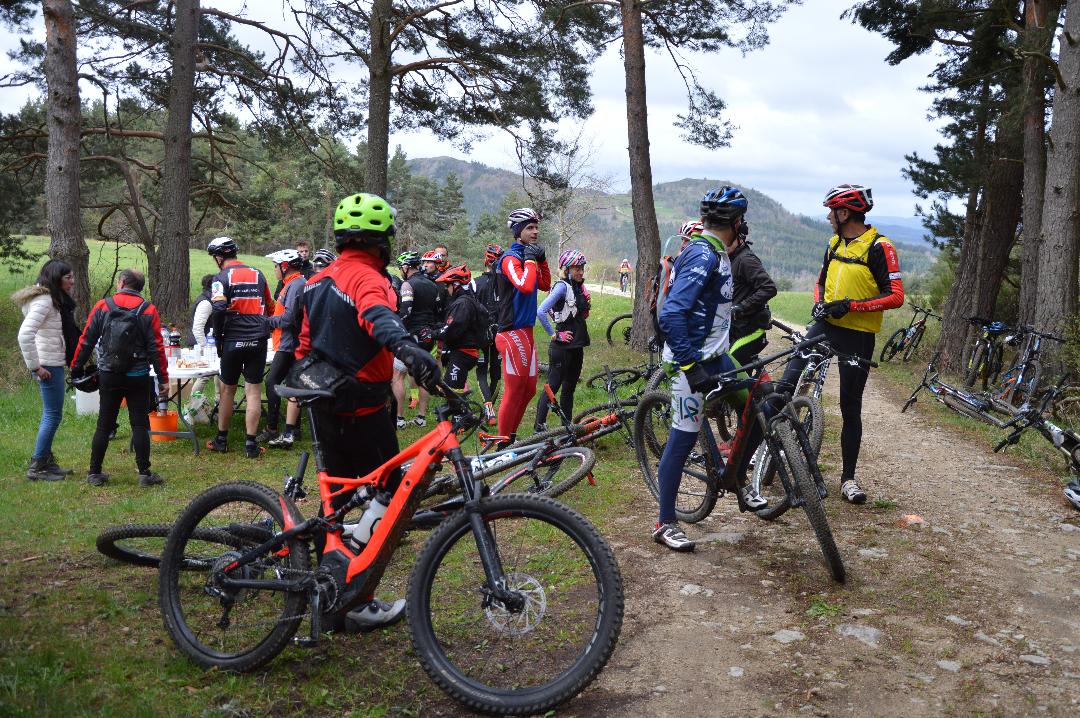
[350,323]
[521,271]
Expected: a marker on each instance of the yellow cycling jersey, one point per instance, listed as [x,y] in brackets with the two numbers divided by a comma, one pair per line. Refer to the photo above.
[855,270]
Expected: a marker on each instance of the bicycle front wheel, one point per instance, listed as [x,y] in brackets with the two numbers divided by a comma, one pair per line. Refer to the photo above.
[215,625]
[546,647]
[618,331]
[555,473]
[812,417]
[974,367]
[798,468]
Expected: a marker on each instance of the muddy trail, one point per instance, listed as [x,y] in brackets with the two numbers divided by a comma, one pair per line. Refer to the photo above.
[976,612]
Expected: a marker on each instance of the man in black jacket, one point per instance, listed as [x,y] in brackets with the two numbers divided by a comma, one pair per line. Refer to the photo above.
[750,315]
[488,367]
[421,309]
[466,327]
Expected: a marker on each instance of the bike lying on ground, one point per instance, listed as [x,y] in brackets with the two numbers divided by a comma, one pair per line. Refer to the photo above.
[977,405]
[1065,440]
[515,602]
[907,340]
[708,473]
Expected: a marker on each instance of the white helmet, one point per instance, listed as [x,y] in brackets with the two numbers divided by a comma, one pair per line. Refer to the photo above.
[286,256]
[222,247]
[524,214]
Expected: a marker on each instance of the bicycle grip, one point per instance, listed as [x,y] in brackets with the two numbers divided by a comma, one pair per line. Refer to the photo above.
[550,394]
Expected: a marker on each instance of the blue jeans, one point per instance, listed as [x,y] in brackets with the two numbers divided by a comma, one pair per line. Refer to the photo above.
[52,403]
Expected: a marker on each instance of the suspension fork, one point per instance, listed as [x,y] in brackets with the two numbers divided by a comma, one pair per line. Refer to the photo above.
[485,542]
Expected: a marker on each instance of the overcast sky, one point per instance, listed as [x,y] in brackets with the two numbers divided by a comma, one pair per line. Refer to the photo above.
[816,107]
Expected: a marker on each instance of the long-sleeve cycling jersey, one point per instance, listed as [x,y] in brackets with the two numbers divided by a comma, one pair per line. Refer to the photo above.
[867,271]
[241,300]
[695,317]
[518,282]
[350,319]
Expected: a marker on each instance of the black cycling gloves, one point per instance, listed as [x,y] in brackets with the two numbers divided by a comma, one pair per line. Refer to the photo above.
[421,365]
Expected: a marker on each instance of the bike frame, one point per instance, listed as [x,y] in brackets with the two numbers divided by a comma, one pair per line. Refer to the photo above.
[1066,441]
[364,569]
[979,404]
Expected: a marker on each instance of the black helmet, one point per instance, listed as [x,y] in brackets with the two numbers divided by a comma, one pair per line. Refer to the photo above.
[86,380]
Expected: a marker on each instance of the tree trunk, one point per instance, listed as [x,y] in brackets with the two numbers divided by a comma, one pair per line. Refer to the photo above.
[62,173]
[985,253]
[1060,237]
[380,78]
[641,187]
[1040,19]
[170,275]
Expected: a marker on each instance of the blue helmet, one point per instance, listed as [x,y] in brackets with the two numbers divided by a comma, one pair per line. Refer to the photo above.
[723,205]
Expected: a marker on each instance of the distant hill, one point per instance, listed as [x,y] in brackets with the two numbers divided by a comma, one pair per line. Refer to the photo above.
[903,229]
[791,246]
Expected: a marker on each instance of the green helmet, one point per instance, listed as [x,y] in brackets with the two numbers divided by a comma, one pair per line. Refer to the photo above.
[364,213]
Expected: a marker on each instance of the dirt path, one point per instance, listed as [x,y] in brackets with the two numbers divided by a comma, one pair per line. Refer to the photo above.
[977,612]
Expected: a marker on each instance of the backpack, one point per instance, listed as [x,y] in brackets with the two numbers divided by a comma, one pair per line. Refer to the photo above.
[658,291]
[122,343]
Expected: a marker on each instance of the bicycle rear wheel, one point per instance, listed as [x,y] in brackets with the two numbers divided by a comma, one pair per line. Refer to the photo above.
[556,473]
[798,468]
[618,331]
[516,660]
[698,491]
[892,346]
[215,625]
[913,344]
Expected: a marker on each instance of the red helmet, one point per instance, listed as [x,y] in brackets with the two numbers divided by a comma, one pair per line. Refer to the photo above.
[431,256]
[492,252]
[854,197]
[691,227]
[456,275]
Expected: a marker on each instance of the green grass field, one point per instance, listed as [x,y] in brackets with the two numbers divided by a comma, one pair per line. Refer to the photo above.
[82,635]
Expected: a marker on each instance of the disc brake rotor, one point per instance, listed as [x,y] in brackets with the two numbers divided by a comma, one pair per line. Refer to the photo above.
[532,613]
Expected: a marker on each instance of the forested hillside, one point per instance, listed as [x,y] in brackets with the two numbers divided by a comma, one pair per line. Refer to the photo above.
[790,245]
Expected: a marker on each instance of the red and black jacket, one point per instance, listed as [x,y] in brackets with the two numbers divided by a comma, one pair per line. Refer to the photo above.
[241,300]
[149,322]
[350,319]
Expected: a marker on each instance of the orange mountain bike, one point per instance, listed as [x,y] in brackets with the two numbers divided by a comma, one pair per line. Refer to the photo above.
[515,602]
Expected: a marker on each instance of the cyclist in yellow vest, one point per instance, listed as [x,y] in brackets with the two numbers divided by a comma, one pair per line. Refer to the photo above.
[859,280]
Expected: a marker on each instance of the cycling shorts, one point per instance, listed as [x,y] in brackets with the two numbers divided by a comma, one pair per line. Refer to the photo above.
[247,358]
[687,407]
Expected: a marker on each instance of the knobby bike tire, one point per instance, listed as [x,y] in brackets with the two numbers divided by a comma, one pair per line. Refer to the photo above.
[551,435]
[972,365]
[959,406]
[1026,384]
[581,460]
[892,346]
[113,542]
[177,609]
[913,345]
[601,410]
[445,661]
[994,365]
[764,474]
[797,463]
[618,334]
[622,377]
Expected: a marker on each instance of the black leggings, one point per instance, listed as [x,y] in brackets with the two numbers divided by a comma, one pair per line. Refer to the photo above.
[564,370]
[852,383]
[113,389]
[279,369]
[488,371]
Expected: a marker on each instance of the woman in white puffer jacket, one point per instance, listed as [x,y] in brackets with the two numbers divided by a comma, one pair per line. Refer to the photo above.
[47,339]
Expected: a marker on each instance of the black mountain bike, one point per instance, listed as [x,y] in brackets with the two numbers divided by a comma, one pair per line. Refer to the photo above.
[1020,382]
[618,329]
[984,359]
[907,340]
[708,473]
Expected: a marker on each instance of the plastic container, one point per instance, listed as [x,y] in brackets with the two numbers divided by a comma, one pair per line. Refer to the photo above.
[163,421]
[86,402]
